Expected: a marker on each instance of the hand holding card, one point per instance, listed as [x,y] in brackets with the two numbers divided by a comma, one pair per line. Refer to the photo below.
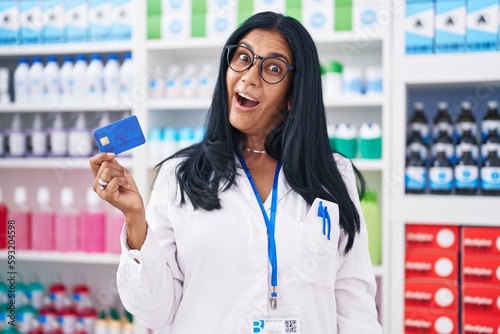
[120,136]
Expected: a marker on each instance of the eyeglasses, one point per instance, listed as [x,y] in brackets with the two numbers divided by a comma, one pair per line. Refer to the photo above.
[271,69]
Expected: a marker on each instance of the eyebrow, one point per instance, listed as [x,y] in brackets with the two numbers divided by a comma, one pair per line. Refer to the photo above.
[272,54]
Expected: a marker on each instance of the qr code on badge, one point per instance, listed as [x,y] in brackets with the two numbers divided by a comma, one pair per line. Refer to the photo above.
[291,326]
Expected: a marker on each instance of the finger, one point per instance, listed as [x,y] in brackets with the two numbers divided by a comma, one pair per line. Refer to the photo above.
[107,174]
[97,160]
[130,180]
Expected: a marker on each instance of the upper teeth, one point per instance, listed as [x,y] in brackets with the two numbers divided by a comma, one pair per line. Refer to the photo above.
[247,97]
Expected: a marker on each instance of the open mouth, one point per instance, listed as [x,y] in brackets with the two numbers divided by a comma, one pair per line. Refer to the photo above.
[246,101]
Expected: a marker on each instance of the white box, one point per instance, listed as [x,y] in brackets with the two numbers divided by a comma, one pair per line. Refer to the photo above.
[482,25]
[175,7]
[122,20]
[9,22]
[222,7]
[100,20]
[318,20]
[450,25]
[420,15]
[221,25]
[31,21]
[53,27]
[175,26]
[278,6]
[367,17]
[77,20]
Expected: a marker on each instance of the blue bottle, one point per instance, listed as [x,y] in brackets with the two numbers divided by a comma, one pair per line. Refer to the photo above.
[440,172]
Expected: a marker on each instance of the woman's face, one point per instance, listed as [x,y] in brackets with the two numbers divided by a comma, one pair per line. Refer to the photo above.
[255,106]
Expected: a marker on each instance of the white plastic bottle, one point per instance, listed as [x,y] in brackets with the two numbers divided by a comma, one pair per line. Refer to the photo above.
[66,76]
[206,81]
[111,79]
[173,82]
[79,138]
[95,79]
[17,138]
[38,137]
[189,81]
[58,138]
[35,76]
[21,81]
[79,77]
[51,81]
[126,76]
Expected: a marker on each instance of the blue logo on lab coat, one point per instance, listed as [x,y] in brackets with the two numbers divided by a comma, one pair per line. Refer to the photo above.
[258,326]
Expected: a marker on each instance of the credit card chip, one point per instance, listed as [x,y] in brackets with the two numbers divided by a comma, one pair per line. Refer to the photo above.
[104,141]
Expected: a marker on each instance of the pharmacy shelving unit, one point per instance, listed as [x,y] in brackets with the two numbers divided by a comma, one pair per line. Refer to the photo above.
[99,269]
[478,75]
[363,49]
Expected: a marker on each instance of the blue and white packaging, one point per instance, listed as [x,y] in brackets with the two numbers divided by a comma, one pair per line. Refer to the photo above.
[482,25]
[9,22]
[221,18]
[53,28]
[122,20]
[31,21]
[278,6]
[76,20]
[175,19]
[318,18]
[450,25]
[419,26]
[367,18]
[100,20]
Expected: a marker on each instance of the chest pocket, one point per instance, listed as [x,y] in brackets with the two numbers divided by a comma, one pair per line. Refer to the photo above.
[316,257]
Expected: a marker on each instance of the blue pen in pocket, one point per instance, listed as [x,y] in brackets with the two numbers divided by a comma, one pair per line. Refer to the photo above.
[323,213]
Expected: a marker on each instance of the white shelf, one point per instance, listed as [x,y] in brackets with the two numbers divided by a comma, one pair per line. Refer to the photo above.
[196,44]
[448,209]
[64,257]
[179,104]
[369,165]
[63,49]
[77,107]
[450,68]
[52,163]
[354,102]
[204,103]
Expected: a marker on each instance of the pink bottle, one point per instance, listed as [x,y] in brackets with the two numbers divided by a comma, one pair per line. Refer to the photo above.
[66,223]
[92,224]
[114,226]
[42,222]
[3,223]
[21,215]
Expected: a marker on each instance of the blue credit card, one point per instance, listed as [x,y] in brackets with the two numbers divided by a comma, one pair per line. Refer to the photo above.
[119,136]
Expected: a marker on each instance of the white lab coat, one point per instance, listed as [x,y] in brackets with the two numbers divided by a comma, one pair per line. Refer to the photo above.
[209,272]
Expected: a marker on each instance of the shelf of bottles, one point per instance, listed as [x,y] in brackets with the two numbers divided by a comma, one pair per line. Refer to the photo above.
[453,142]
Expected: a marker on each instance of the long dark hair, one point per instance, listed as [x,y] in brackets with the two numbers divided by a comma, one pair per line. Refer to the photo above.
[300,142]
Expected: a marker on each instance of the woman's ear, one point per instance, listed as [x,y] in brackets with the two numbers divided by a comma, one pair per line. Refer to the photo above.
[289,107]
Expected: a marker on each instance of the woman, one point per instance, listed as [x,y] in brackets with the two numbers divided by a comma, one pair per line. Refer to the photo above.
[258,227]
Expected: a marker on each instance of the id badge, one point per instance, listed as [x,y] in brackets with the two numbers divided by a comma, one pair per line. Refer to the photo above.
[284,320]
[277,326]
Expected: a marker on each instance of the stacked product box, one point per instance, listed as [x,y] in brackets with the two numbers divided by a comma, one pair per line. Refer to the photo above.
[168,19]
[481,279]
[432,279]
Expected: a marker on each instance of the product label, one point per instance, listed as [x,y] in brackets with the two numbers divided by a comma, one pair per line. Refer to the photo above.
[419,27]
[76,20]
[31,20]
[122,20]
[415,178]
[466,177]
[53,30]
[9,22]
[450,25]
[482,25]
[100,23]
[440,178]
[490,178]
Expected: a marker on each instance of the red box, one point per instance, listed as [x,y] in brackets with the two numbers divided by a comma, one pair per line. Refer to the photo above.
[481,240]
[481,269]
[431,321]
[436,265]
[438,294]
[433,237]
[475,324]
[481,299]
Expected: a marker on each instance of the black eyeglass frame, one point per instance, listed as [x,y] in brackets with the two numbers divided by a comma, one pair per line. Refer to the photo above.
[229,48]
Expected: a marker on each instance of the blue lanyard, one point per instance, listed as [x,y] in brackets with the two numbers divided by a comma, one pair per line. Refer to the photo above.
[270,224]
